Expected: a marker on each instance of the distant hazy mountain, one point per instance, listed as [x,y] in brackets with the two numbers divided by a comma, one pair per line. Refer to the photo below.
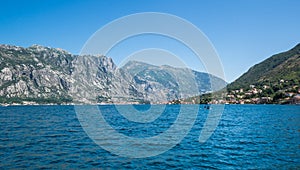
[48,75]
[283,66]
[174,83]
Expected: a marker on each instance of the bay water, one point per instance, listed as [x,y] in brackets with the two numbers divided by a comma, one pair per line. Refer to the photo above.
[247,137]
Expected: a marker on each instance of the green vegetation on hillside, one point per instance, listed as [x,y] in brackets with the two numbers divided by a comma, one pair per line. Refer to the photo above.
[282,66]
[275,80]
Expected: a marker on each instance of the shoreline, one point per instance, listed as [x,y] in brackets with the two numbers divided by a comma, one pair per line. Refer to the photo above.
[106,104]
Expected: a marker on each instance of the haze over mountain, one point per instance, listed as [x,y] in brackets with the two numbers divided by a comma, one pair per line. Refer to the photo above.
[47,75]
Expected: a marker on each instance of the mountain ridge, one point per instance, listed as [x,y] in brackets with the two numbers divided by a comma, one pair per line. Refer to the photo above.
[263,71]
[276,80]
[39,74]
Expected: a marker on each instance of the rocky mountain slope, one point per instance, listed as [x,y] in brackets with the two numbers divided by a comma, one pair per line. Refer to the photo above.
[47,75]
[34,73]
[175,82]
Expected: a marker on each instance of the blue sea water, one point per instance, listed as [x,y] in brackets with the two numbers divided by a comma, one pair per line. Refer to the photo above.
[247,137]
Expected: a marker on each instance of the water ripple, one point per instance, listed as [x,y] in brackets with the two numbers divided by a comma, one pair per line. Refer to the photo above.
[248,137]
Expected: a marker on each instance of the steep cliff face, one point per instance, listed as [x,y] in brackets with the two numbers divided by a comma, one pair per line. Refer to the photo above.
[97,79]
[48,75]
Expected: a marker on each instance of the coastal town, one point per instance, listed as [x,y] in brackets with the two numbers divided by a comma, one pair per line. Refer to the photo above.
[281,92]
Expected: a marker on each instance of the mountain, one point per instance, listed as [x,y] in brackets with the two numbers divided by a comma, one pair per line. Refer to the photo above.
[283,66]
[34,73]
[40,74]
[275,80]
[174,83]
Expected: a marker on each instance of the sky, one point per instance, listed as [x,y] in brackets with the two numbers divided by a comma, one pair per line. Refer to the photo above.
[243,32]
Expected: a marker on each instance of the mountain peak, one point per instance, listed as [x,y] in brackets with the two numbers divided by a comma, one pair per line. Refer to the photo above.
[50,75]
[37,47]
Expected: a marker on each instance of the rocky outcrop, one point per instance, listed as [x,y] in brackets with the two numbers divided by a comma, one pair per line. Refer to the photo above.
[33,73]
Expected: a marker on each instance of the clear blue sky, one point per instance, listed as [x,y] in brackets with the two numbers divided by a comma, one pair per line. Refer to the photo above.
[244,32]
